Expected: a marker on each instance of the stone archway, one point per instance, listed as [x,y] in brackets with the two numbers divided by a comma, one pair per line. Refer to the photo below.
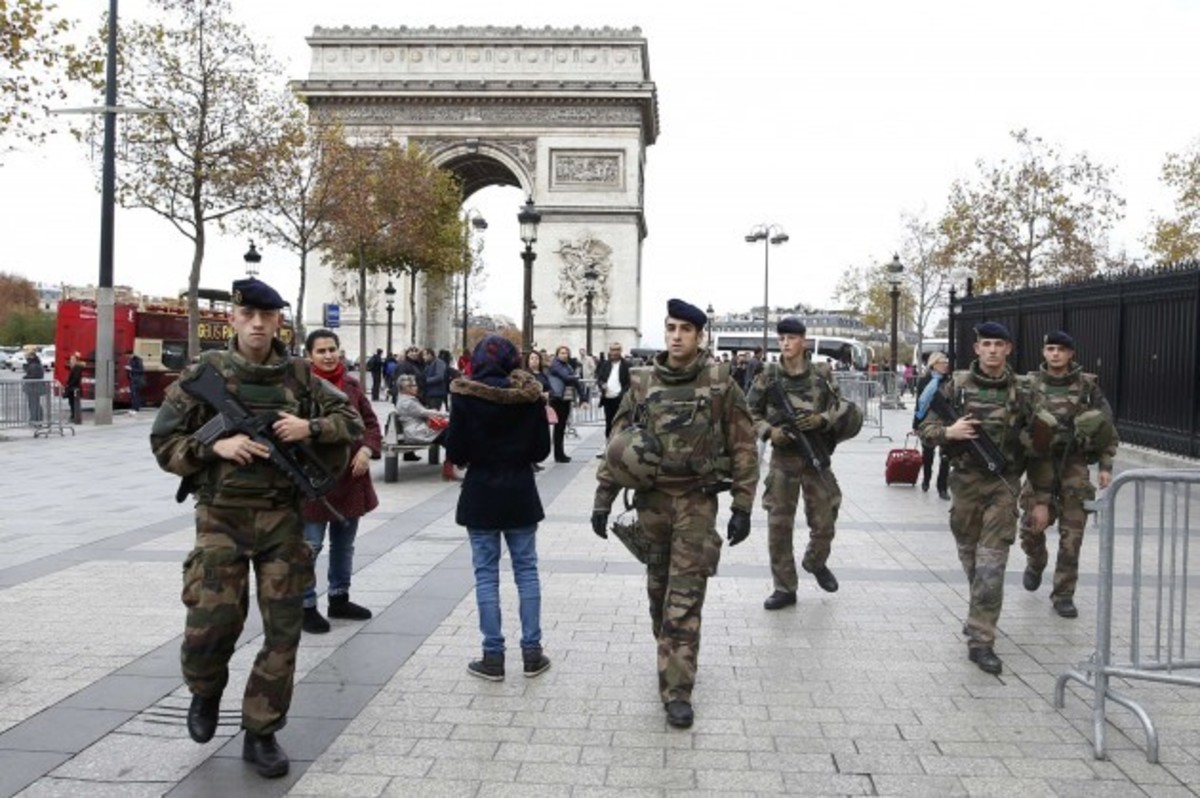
[563,114]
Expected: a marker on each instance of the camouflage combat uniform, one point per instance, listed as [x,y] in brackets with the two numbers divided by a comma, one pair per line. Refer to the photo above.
[698,417]
[811,390]
[247,514]
[983,512]
[1059,478]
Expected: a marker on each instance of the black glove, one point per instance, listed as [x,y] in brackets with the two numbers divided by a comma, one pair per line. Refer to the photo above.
[739,526]
[600,523]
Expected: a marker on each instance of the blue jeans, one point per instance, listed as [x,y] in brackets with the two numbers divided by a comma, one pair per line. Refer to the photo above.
[485,556]
[341,554]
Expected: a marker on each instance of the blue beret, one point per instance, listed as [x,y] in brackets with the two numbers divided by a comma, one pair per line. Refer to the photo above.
[254,293]
[992,329]
[678,309]
[1059,338]
[790,325]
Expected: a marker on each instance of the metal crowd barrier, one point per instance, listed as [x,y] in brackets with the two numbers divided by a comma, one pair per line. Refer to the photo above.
[868,394]
[1142,631]
[34,404]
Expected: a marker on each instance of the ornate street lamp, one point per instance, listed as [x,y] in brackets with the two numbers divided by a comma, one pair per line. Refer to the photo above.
[894,270]
[529,218]
[590,275]
[475,255]
[390,293]
[252,259]
[768,234]
[955,276]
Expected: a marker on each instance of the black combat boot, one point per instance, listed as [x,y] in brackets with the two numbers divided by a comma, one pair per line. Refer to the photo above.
[825,577]
[491,667]
[202,717]
[986,659]
[314,622]
[1065,607]
[536,663]
[341,606]
[679,714]
[1031,579]
[264,753]
[779,599]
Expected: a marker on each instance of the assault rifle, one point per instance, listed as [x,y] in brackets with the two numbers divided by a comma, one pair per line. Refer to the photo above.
[813,448]
[297,461]
[982,447]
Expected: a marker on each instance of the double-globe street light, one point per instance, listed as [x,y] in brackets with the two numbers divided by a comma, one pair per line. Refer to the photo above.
[529,218]
[768,234]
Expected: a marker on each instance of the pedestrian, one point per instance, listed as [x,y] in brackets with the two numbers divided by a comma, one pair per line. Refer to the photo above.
[248,513]
[612,377]
[564,388]
[753,366]
[136,372]
[352,497]
[35,389]
[1076,430]
[412,363]
[498,426]
[818,409]
[437,381]
[74,387]
[375,366]
[464,363]
[389,376]
[587,376]
[418,423]
[930,382]
[739,368]
[993,402]
[691,414]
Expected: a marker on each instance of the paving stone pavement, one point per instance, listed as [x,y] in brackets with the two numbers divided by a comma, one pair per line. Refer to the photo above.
[862,692]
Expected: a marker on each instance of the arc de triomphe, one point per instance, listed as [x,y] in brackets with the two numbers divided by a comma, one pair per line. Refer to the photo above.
[563,114]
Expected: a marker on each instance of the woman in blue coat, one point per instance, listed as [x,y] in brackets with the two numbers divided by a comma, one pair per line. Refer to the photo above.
[498,428]
[564,387]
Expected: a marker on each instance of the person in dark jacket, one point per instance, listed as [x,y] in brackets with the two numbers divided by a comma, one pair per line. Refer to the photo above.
[612,375]
[938,367]
[498,428]
[36,389]
[353,496]
[564,388]
[74,388]
[437,382]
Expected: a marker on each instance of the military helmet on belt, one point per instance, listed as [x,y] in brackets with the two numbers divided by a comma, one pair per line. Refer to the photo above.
[1094,432]
[633,455]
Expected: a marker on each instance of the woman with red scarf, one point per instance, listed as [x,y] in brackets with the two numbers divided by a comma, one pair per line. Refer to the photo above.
[353,496]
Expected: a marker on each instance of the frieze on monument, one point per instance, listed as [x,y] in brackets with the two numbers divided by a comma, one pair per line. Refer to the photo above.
[394,112]
[578,256]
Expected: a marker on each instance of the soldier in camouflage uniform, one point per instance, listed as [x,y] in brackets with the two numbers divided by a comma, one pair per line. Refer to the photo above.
[991,401]
[1057,478]
[814,398]
[248,512]
[681,434]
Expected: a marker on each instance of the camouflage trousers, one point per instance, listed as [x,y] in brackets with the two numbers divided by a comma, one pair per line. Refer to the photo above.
[1068,512]
[676,589]
[983,519]
[787,477]
[216,592]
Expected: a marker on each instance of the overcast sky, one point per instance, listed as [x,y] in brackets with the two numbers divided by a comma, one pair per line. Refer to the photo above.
[830,119]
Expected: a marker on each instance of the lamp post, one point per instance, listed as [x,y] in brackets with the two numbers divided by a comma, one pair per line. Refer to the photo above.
[532,308]
[474,255]
[768,234]
[590,275]
[252,259]
[951,344]
[390,293]
[895,269]
[529,218]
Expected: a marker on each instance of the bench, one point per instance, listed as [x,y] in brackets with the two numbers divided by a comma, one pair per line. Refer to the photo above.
[393,447]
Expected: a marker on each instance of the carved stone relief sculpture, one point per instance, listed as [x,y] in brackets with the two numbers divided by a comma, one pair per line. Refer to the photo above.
[578,256]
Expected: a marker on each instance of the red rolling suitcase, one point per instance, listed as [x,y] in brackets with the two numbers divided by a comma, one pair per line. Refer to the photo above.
[904,465]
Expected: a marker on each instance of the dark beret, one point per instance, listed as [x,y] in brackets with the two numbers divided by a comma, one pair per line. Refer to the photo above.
[992,329]
[678,309]
[254,293]
[1059,338]
[790,325]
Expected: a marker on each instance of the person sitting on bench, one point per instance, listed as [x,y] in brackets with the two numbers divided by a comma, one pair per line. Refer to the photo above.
[417,424]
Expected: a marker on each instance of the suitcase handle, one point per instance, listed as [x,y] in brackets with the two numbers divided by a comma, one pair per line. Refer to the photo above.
[912,435]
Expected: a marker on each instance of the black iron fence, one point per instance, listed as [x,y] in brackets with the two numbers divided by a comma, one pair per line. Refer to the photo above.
[1140,333]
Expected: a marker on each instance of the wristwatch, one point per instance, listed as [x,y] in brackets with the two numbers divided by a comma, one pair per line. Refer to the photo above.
[314,428]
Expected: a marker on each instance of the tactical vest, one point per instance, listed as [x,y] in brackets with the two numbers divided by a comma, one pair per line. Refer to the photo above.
[814,391]
[995,403]
[274,387]
[685,421]
[1065,398]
